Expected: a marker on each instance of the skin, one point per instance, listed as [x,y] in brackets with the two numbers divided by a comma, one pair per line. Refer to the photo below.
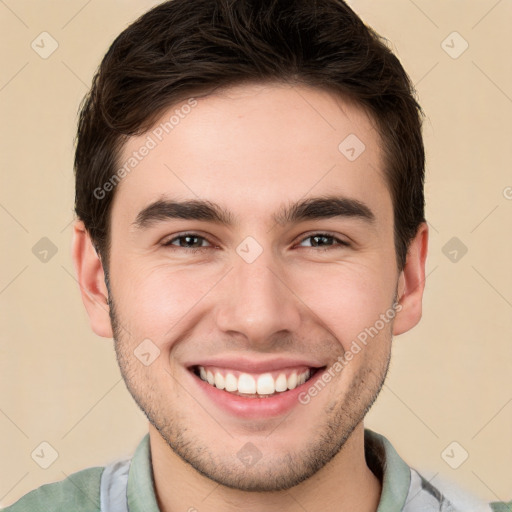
[253,149]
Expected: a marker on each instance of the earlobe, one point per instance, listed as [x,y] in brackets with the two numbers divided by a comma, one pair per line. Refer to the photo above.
[91,278]
[412,283]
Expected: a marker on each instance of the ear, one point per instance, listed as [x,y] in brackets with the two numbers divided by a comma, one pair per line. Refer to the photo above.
[91,278]
[411,283]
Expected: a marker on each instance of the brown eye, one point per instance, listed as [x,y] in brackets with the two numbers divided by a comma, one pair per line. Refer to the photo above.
[324,241]
[187,241]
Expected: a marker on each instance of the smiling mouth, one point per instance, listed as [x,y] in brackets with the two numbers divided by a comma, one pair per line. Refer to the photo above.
[250,385]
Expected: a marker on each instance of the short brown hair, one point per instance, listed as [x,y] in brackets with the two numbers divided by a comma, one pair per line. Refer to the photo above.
[182,48]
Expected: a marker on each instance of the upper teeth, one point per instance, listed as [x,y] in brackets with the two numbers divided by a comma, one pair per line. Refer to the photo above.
[262,384]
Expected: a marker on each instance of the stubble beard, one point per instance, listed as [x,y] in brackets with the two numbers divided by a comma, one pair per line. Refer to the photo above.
[274,471]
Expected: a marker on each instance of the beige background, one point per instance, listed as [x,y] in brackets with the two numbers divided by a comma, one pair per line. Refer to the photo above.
[450,378]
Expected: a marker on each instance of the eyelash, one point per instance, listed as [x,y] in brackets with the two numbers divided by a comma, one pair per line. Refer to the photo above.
[340,243]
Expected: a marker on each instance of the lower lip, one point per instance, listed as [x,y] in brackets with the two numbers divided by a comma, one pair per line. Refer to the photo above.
[252,408]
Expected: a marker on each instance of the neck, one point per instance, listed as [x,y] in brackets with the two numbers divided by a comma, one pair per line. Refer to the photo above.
[344,484]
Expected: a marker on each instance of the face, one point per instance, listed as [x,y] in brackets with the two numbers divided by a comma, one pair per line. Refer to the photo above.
[249,251]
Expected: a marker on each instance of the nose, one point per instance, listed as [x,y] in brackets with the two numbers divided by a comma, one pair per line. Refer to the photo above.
[257,303]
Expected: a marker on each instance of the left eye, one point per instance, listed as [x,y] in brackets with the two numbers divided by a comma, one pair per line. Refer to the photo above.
[324,240]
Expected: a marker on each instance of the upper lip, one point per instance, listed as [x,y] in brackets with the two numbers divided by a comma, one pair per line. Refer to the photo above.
[245,364]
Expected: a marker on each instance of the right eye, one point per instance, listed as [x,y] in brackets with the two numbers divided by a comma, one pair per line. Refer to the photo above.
[191,241]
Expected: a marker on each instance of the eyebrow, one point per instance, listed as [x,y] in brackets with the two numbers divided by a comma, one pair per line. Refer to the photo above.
[313,208]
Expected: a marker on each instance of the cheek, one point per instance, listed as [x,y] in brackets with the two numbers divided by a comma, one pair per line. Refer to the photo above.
[158,301]
[346,298]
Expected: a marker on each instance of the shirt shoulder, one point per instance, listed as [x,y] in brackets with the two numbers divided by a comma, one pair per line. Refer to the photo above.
[404,489]
[501,507]
[79,492]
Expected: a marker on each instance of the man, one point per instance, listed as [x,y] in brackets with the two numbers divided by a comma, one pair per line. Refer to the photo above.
[251,232]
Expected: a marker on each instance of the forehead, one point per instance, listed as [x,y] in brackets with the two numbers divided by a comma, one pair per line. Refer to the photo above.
[253,149]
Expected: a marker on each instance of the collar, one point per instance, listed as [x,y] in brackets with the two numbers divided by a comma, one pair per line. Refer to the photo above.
[390,469]
[141,489]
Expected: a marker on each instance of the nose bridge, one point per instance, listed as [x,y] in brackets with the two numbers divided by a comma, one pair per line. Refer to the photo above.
[257,302]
